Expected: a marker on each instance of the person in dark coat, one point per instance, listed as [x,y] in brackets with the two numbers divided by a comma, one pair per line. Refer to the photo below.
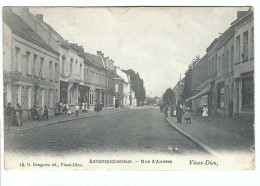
[8,116]
[179,113]
[166,109]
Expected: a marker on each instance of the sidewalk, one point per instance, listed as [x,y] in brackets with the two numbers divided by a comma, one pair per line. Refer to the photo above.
[219,134]
[29,124]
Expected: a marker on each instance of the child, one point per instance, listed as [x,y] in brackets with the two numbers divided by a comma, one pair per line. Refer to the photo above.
[69,111]
[205,114]
[187,115]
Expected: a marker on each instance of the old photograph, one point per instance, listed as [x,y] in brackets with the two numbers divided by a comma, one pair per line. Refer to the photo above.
[128,88]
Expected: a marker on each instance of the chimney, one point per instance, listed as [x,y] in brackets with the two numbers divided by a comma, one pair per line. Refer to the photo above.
[99,53]
[240,14]
[39,16]
[81,49]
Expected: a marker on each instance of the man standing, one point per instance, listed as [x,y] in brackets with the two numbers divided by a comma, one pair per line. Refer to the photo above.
[19,114]
[8,116]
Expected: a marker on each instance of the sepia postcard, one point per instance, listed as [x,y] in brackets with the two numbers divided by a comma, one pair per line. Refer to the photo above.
[128,88]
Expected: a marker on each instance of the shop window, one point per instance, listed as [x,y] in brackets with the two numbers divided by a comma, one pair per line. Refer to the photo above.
[248,93]
[221,96]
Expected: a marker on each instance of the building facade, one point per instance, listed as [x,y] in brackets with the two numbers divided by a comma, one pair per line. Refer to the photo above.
[243,78]
[31,66]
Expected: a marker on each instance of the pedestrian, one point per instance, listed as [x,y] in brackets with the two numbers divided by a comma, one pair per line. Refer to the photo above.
[8,116]
[205,114]
[179,113]
[56,109]
[172,110]
[33,112]
[14,118]
[37,111]
[166,109]
[77,108]
[69,111]
[83,107]
[86,107]
[65,109]
[187,114]
[19,114]
[45,113]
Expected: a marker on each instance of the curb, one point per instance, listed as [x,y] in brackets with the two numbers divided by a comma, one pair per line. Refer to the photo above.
[56,122]
[202,145]
[52,123]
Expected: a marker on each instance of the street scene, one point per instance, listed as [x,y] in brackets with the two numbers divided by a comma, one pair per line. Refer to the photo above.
[100,81]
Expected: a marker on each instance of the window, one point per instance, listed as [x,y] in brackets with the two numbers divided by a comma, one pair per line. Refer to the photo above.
[223,63]
[71,66]
[17,94]
[216,64]
[209,68]
[80,70]
[85,74]
[245,46]
[56,72]
[28,64]
[42,68]
[63,65]
[76,67]
[227,62]
[238,48]
[17,59]
[50,68]
[232,59]
[116,88]
[221,96]
[35,70]
[248,93]
[212,66]
[252,42]
[219,64]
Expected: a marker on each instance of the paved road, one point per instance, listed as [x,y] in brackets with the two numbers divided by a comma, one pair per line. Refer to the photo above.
[140,130]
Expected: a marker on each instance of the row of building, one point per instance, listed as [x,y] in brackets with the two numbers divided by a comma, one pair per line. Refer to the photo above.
[223,79]
[41,68]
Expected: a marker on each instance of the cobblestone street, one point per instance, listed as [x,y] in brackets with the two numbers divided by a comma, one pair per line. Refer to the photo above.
[131,130]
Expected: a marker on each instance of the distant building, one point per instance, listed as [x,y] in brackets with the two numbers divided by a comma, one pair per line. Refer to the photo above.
[199,85]
[122,88]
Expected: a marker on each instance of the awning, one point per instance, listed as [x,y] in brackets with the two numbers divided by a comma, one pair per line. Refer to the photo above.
[202,93]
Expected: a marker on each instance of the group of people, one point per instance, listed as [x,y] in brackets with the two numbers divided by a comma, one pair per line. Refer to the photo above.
[13,116]
[182,111]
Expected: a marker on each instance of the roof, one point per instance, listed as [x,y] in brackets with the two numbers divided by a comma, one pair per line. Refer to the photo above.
[49,28]
[122,74]
[17,25]
[96,59]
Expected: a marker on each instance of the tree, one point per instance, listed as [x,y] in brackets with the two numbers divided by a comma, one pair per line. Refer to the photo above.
[188,78]
[168,96]
[137,85]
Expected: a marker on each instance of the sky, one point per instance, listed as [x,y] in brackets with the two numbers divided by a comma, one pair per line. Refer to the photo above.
[157,42]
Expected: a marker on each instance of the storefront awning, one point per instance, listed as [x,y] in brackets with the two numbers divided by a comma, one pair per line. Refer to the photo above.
[202,93]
